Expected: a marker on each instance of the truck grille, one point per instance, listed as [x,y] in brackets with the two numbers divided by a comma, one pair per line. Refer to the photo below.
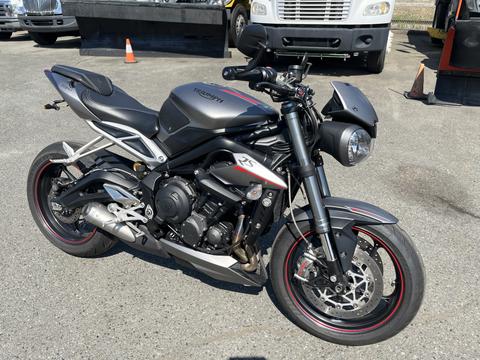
[317,10]
[43,7]
[3,10]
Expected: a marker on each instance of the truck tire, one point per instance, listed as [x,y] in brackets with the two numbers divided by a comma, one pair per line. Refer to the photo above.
[44,38]
[5,36]
[238,21]
[376,61]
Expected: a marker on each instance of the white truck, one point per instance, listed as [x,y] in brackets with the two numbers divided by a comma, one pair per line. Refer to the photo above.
[9,11]
[327,28]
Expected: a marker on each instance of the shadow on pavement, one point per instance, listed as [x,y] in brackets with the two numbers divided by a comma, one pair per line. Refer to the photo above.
[171,264]
[420,42]
[70,43]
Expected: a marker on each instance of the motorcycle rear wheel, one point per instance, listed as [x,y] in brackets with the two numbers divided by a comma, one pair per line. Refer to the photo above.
[65,231]
[392,311]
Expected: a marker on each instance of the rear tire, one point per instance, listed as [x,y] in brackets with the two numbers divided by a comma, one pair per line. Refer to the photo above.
[376,61]
[44,38]
[399,315]
[88,244]
[4,36]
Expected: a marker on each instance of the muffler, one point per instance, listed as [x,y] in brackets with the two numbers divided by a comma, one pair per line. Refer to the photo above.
[98,215]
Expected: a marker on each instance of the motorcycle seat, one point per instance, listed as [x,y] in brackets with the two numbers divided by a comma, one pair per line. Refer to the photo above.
[121,108]
[96,82]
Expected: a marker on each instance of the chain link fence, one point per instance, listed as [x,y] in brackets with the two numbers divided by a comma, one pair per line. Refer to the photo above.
[413,15]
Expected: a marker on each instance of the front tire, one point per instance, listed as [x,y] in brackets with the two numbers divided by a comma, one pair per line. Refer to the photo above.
[44,39]
[65,231]
[390,316]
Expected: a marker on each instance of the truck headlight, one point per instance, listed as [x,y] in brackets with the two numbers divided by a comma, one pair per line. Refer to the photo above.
[258,9]
[380,8]
[348,143]
[16,8]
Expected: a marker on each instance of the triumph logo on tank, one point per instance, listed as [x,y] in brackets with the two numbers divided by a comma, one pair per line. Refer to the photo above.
[207,95]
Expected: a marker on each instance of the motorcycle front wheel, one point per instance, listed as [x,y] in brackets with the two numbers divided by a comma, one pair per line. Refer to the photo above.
[385,285]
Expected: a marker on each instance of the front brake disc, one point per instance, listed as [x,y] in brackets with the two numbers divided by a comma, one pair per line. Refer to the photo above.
[363,294]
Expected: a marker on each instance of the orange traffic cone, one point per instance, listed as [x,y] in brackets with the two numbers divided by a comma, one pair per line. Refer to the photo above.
[129,57]
[416,92]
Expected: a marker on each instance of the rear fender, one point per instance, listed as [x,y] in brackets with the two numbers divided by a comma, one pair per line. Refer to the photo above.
[344,215]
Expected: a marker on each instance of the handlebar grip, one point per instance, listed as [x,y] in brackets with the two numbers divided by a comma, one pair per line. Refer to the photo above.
[255,75]
[229,73]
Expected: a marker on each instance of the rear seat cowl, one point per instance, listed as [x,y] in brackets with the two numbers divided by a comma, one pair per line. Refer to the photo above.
[96,82]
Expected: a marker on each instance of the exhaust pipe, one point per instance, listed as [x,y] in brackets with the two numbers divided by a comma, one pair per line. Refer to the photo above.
[98,215]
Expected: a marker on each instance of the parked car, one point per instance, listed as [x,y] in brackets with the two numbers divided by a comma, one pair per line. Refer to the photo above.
[44,21]
[9,10]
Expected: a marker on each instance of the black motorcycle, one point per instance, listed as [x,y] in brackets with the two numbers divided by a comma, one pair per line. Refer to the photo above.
[216,170]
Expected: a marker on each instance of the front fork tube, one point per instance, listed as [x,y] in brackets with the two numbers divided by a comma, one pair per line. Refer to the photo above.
[313,179]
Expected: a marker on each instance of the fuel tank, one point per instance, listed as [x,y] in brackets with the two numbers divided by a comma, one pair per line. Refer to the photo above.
[196,112]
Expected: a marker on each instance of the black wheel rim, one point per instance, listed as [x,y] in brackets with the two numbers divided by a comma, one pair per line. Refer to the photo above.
[385,310]
[76,233]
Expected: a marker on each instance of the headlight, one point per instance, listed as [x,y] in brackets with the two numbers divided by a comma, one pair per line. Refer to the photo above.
[359,146]
[348,143]
[380,8]
[16,8]
[258,9]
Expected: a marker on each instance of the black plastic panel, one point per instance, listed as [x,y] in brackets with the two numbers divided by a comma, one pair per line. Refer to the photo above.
[348,104]
[170,117]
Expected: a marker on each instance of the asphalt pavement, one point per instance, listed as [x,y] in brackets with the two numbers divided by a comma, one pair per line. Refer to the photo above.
[425,169]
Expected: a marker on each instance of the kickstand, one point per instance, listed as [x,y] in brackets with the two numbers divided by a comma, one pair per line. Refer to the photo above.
[54,105]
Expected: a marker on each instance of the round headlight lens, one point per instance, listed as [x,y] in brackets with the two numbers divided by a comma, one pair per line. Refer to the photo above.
[360,145]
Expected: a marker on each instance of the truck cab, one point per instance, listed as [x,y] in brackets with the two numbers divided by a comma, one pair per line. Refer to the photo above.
[327,28]
[44,21]
[9,11]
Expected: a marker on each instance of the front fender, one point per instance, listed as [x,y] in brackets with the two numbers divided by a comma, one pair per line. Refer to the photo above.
[344,215]
[341,210]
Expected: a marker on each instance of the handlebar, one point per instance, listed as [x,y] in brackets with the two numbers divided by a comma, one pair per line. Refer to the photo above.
[266,79]
[258,74]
